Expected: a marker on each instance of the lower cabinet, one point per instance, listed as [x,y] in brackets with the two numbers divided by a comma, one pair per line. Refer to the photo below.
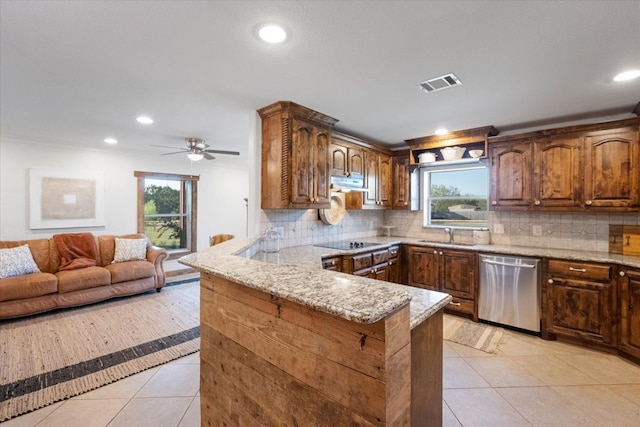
[581,301]
[630,312]
[446,270]
[394,266]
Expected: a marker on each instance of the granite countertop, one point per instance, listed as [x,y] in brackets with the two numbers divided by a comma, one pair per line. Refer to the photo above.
[296,274]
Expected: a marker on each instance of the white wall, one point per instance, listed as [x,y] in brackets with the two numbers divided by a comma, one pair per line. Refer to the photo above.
[221,189]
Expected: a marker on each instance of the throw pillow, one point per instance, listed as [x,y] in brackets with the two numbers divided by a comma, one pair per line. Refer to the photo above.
[16,262]
[130,250]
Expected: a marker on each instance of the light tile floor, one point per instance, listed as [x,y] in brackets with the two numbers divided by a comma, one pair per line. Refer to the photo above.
[527,382]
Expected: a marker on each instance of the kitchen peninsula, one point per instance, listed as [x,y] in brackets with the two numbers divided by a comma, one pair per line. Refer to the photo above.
[289,343]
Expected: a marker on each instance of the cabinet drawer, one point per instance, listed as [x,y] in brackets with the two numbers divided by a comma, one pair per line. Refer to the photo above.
[380,257]
[461,305]
[579,270]
[394,251]
[334,263]
[361,261]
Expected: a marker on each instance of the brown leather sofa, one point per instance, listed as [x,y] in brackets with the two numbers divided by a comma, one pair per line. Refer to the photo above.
[51,289]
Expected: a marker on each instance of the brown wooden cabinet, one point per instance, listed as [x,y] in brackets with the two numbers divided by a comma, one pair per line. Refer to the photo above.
[581,301]
[332,263]
[568,169]
[369,264]
[401,176]
[394,266]
[510,175]
[346,159]
[630,312]
[446,270]
[377,180]
[612,169]
[295,157]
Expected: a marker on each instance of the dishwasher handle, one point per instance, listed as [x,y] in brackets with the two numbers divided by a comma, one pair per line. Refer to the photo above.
[507,264]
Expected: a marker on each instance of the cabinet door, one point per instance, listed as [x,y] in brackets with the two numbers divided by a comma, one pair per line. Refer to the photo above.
[612,169]
[371,179]
[459,274]
[558,176]
[394,270]
[510,175]
[302,184]
[355,159]
[630,312]
[338,159]
[424,267]
[384,181]
[583,310]
[400,179]
[322,190]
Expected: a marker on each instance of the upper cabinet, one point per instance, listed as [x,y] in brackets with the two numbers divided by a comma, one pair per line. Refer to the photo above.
[295,157]
[400,179]
[347,159]
[568,169]
[377,180]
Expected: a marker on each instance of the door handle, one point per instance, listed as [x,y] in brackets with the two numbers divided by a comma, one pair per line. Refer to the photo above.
[507,264]
[579,270]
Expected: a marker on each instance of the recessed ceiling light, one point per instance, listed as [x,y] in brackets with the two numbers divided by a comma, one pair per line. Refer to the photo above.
[272,33]
[111,140]
[441,131]
[627,75]
[145,120]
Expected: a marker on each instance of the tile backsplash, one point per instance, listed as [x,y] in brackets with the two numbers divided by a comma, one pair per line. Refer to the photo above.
[578,231]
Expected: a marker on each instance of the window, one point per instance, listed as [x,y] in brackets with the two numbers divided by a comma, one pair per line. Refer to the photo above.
[456,196]
[167,210]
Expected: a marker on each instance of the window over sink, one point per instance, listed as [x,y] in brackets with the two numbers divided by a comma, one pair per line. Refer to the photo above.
[455,195]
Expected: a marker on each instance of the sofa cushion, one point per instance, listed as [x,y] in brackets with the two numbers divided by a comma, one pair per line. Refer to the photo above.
[17,261]
[27,286]
[83,278]
[130,250]
[132,270]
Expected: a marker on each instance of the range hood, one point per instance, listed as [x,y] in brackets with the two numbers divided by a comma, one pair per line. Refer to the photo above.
[345,184]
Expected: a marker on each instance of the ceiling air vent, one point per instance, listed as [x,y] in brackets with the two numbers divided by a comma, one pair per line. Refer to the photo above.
[439,83]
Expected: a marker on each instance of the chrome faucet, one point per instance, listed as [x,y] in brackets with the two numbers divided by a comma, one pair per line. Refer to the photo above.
[449,231]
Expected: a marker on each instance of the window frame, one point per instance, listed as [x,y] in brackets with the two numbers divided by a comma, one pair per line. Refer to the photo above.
[425,185]
[192,237]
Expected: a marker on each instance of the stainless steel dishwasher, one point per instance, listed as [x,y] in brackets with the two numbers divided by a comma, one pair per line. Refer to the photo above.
[510,291]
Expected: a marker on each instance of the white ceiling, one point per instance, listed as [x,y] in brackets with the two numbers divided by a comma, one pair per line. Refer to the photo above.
[74,73]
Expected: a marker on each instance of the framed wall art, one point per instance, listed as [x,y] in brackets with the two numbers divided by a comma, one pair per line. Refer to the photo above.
[65,199]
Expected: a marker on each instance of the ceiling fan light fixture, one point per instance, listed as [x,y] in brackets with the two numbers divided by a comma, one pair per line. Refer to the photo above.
[111,140]
[195,156]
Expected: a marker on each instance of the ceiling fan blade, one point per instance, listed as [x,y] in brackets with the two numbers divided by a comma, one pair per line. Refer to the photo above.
[166,146]
[175,152]
[233,153]
[207,155]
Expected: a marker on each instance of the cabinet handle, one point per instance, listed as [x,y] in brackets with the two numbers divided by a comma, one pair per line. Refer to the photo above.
[537,203]
[579,270]
[435,252]
[622,273]
[588,203]
[456,304]
[493,202]
[550,281]
[333,263]
[440,253]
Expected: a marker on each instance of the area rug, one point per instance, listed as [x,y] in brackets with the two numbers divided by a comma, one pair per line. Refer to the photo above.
[51,357]
[471,334]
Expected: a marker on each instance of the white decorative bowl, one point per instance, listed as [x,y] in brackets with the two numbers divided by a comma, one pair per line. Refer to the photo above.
[427,157]
[453,153]
[475,153]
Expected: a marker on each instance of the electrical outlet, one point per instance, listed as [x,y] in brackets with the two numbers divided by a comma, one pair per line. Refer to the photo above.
[536,230]
[498,228]
[371,225]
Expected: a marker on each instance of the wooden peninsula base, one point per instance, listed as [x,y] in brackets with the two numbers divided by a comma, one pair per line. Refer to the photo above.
[271,361]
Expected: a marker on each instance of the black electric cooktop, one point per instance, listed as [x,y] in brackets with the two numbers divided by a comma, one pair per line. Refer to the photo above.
[346,245]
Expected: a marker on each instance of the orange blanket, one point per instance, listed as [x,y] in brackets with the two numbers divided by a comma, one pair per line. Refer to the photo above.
[76,250]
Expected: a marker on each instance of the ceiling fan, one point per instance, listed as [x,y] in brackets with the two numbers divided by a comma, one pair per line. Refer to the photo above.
[197,149]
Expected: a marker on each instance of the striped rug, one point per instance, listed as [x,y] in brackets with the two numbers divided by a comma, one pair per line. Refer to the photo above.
[475,335]
[55,356]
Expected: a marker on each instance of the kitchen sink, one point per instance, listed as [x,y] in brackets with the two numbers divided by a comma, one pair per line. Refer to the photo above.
[447,243]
